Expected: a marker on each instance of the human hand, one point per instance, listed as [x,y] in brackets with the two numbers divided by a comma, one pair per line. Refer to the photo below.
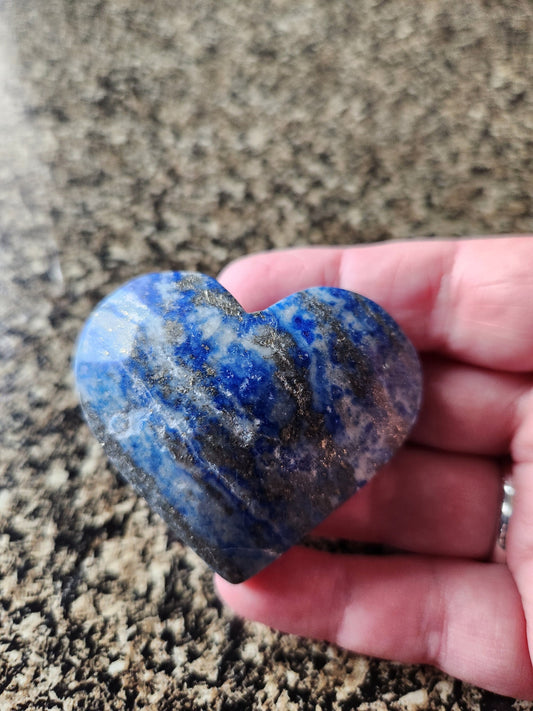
[443,599]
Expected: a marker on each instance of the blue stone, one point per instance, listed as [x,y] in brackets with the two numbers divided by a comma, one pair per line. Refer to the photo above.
[244,430]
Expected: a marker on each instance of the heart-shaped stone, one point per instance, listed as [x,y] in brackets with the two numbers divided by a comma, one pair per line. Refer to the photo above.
[244,430]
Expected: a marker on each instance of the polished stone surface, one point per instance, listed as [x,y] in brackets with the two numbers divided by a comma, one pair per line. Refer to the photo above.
[244,431]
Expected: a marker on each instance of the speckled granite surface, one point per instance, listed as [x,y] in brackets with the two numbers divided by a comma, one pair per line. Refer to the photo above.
[137,136]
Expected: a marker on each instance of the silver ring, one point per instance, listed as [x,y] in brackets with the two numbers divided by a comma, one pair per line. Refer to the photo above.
[505,513]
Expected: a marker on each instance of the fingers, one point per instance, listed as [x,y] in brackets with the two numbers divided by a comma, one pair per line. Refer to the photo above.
[465,618]
[469,409]
[468,299]
[425,502]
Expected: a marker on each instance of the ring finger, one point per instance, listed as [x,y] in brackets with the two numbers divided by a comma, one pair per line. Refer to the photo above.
[425,501]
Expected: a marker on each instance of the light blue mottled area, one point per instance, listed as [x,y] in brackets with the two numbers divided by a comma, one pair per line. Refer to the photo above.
[244,431]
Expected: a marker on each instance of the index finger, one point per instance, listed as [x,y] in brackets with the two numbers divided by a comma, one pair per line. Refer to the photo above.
[469,299]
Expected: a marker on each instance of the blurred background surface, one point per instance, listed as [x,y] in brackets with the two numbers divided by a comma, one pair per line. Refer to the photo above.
[139,136]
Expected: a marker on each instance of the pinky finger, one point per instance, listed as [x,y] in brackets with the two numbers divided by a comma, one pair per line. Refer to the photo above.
[464,617]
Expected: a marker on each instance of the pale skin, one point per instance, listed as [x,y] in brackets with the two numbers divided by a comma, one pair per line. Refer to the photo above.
[444,599]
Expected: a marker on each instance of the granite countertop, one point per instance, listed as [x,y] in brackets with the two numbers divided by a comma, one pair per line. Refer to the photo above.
[138,136]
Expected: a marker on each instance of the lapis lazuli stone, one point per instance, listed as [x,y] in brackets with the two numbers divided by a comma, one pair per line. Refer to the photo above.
[244,430]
